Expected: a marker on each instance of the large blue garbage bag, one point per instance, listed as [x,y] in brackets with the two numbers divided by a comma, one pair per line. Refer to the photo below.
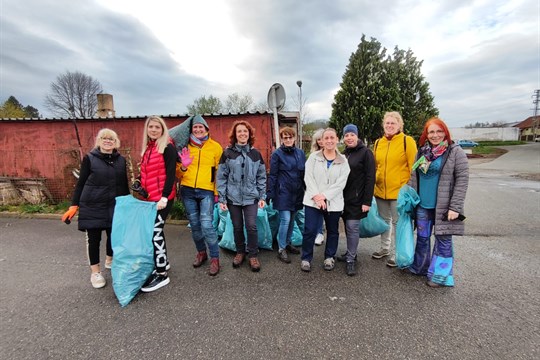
[373,224]
[264,233]
[131,239]
[273,221]
[407,201]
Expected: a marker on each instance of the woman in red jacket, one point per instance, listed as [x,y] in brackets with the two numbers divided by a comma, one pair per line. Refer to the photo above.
[158,176]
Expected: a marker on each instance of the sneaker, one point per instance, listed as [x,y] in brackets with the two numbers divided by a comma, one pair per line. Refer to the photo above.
[108,264]
[319,239]
[351,268]
[329,264]
[380,254]
[391,263]
[254,264]
[282,255]
[214,267]
[292,249]
[200,258]
[155,281]
[238,260]
[343,257]
[305,266]
[168,267]
[97,280]
[432,284]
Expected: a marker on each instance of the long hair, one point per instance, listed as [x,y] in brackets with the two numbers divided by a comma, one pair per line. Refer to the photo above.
[162,141]
[232,132]
[396,116]
[317,135]
[434,121]
[107,133]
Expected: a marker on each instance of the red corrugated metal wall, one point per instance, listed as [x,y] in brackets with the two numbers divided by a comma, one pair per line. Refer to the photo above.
[48,148]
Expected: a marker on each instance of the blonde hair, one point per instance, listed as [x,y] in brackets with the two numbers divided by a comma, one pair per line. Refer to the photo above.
[162,141]
[396,116]
[317,135]
[103,133]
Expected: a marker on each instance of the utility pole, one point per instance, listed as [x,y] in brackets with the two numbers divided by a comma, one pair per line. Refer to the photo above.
[536,102]
[299,83]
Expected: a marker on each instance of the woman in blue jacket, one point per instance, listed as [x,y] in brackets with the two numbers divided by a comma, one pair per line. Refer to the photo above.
[286,188]
[241,185]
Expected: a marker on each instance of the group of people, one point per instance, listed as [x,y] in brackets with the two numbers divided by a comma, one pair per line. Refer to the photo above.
[329,186]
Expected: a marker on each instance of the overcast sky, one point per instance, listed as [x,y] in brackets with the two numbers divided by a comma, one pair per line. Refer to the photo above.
[481,57]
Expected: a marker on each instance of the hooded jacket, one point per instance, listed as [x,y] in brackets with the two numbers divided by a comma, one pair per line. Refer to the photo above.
[241,176]
[394,159]
[329,181]
[359,188]
[286,179]
[103,177]
[451,191]
[201,174]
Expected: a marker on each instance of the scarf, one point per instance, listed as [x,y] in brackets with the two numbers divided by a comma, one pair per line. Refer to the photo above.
[428,155]
[195,141]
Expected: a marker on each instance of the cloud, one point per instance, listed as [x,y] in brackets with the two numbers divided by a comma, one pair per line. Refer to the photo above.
[480,58]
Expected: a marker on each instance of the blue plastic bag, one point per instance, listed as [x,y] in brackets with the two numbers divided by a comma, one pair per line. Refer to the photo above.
[407,201]
[273,221]
[131,240]
[264,233]
[373,224]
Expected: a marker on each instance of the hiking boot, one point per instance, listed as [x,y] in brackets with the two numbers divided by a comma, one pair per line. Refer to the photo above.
[200,259]
[292,249]
[343,257]
[391,263]
[380,254]
[319,239]
[238,260]
[155,281]
[351,268]
[214,267]
[97,280]
[282,255]
[254,264]
[305,266]
[329,264]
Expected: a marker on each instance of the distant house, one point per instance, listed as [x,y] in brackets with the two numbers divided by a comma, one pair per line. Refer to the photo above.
[529,128]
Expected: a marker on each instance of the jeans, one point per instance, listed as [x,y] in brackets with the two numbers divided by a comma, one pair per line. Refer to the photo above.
[199,206]
[314,219]
[249,213]
[286,226]
[388,211]
[437,266]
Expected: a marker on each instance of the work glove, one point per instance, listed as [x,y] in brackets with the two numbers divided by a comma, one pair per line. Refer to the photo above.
[185,159]
[216,199]
[68,215]
[162,203]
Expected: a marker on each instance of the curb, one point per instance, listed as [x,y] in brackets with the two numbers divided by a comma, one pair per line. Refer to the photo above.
[8,214]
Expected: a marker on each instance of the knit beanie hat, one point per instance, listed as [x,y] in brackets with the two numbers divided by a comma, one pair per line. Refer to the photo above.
[350,128]
[198,119]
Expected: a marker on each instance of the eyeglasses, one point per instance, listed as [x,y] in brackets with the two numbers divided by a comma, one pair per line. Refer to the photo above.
[108,139]
[288,138]
[438,132]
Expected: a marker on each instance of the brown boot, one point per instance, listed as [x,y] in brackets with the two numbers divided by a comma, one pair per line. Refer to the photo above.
[200,259]
[238,260]
[214,267]
[254,264]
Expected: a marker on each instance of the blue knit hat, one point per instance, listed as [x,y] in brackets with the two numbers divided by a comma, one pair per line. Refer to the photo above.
[350,128]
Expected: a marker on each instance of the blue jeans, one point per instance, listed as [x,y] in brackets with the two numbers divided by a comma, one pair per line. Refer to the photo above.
[286,227]
[439,265]
[314,219]
[199,206]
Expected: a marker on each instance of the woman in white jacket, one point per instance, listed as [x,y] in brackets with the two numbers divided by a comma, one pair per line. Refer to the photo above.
[326,175]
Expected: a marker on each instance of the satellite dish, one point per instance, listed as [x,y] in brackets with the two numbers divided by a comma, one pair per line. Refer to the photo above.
[276,97]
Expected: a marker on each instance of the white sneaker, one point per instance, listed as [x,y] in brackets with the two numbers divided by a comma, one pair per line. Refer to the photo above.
[329,264]
[97,280]
[319,239]
[108,264]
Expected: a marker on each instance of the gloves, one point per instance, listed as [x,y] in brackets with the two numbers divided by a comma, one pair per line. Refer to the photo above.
[216,199]
[185,158]
[68,215]
[162,203]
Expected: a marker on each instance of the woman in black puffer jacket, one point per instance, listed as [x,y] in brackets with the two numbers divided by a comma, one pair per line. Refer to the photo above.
[103,177]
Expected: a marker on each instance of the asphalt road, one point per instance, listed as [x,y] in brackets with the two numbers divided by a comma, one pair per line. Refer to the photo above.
[50,311]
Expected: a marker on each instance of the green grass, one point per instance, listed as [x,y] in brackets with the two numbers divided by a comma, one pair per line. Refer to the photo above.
[491,147]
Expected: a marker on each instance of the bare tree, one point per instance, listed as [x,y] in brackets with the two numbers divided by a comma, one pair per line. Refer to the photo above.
[73,94]
[239,103]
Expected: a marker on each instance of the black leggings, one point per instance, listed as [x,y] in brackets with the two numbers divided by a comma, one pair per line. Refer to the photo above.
[158,239]
[93,237]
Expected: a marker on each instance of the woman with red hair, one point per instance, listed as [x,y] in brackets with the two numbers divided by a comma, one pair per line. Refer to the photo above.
[440,176]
